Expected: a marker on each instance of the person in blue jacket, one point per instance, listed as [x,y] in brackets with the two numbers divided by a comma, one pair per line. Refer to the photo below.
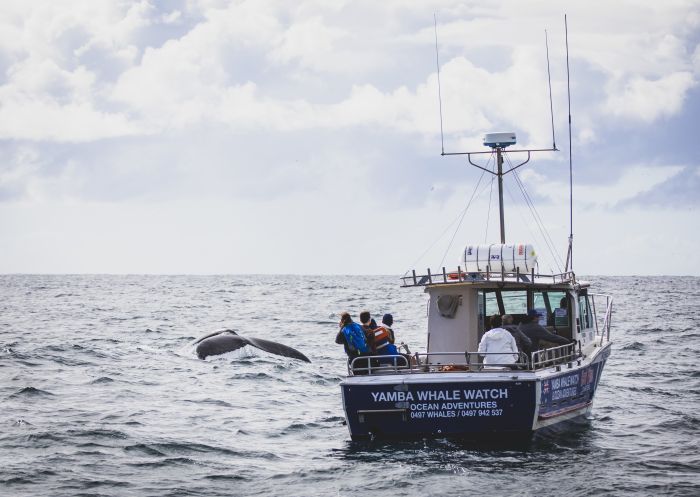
[352,337]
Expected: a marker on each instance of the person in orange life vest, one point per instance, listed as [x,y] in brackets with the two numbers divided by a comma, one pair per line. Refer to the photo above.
[384,337]
[368,325]
[384,340]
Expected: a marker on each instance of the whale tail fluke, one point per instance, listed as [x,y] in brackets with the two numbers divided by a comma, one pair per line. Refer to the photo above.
[277,348]
[213,333]
[222,341]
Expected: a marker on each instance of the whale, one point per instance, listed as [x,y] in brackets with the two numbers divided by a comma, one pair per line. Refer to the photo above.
[222,341]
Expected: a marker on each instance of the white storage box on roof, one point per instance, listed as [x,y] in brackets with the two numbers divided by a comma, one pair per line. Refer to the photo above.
[500,140]
[500,257]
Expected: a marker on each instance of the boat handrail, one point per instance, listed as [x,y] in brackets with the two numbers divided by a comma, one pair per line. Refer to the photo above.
[553,356]
[464,362]
[521,363]
[444,277]
[377,364]
[604,331]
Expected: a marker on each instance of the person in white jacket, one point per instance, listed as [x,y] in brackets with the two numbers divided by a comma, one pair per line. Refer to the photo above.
[498,340]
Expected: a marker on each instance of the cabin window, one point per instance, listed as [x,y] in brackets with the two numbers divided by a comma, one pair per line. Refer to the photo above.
[513,302]
[554,305]
[488,306]
[490,301]
[585,312]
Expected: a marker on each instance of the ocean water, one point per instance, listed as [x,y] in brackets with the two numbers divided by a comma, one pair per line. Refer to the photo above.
[101,394]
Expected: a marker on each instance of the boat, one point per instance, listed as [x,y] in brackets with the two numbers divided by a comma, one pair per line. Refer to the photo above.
[452,390]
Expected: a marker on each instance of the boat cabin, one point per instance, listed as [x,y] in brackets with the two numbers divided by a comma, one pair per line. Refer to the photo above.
[461,304]
[458,314]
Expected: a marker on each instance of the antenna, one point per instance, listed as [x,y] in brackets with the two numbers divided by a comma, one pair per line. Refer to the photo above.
[549,78]
[437,62]
[496,141]
[569,254]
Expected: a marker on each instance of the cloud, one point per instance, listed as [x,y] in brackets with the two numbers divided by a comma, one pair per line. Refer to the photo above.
[222,67]
[649,100]
[310,42]
[295,119]
[629,184]
[47,93]
[26,119]
[680,191]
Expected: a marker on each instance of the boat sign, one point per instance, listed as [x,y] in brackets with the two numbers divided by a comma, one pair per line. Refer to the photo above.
[570,391]
[439,408]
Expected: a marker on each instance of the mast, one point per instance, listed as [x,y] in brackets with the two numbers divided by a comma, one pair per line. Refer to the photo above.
[570,251]
[499,161]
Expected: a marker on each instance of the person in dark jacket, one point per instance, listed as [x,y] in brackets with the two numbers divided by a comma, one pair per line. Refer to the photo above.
[535,332]
[369,325]
[522,340]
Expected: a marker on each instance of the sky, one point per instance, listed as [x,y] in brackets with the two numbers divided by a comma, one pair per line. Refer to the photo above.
[230,137]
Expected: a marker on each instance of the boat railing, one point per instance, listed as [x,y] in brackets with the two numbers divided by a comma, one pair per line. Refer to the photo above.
[555,356]
[379,364]
[602,329]
[424,362]
[444,277]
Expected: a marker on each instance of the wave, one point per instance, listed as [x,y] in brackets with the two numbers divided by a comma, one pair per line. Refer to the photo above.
[95,394]
[31,392]
[634,346]
[102,379]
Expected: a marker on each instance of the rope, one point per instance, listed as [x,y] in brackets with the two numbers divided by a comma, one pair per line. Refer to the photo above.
[524,220]
[459,217]
[464,212]
[548,239]
[488,212]
[551,246]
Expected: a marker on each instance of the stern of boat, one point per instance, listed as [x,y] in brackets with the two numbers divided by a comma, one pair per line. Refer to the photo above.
[404,406]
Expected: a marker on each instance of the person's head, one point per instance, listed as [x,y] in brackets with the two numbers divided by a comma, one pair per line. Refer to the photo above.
[365,317]
[388,320]
[507,319]
[345,319]
[563,303]
[532,315]
[495,321]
